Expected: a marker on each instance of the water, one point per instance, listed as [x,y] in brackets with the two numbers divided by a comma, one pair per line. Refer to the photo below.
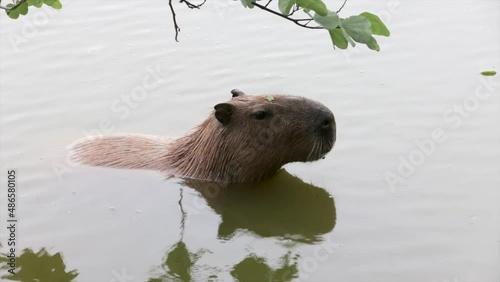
[67,74]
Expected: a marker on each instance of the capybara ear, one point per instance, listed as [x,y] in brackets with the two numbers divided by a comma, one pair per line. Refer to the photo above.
[237,93]
[223,112]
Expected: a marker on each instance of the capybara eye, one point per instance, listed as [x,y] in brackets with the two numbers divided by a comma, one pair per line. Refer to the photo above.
[260,115]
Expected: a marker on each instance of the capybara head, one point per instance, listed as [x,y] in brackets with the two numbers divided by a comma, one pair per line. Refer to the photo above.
[251,136]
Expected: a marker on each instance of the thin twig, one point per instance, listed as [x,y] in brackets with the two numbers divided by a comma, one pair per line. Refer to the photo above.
[13,7]
[294,9]
[341,7]
[191,5]
[296,21]
[269,2]
[307,21]
[176,26]
[183,214]
[174,16]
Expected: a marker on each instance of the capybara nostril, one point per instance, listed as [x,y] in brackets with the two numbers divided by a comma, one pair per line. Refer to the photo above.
[325,124]
[325,121]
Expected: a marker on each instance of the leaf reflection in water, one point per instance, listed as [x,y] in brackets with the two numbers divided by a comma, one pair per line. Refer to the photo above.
[39,266]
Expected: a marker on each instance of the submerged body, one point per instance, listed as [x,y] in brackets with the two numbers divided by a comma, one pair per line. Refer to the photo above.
[246,139]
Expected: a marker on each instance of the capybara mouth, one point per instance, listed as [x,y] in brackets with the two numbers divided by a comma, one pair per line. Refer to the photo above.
[320,148]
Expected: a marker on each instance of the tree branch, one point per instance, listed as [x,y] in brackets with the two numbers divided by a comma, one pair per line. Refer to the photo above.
[174,16]
[13,7]
[295,8]
[176,26]
[296,21]
[191,5]
[341,7]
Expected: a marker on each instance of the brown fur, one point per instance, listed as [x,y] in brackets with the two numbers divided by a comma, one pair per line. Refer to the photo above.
[236,143]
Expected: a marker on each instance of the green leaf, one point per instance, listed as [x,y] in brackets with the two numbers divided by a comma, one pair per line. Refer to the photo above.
[13,14]
[285,6]
[330,21]
[247,3]
[270,98]
[359,28]
[316,5]
[23,8]
[489,73]
[347,37]
[36,3]
[373,45]
[338,38]
[378,27]
[56,4]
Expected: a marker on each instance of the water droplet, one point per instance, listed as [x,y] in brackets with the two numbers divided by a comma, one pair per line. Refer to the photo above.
[473,220]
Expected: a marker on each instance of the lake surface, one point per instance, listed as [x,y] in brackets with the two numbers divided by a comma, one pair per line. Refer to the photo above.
[409,193]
